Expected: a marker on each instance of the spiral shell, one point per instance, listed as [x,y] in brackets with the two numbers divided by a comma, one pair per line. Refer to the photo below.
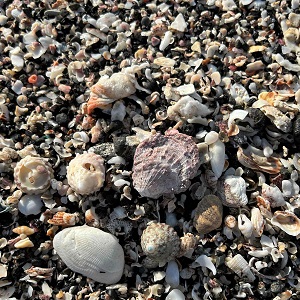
[91,252]
[164,164]
[160,242]
[287,221]
[240,266]
[208,214]
[86,173]
[32,175]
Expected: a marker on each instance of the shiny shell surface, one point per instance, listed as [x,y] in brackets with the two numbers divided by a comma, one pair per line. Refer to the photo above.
[164,164]
[91,252]
[208,214]
[287,221]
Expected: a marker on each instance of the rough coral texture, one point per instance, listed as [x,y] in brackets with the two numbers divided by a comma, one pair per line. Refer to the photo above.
[164,164]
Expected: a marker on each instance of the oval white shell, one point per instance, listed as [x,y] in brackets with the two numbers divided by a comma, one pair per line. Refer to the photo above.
[217,153]
[172,274]
[175,295]
[30,204]
[91,252]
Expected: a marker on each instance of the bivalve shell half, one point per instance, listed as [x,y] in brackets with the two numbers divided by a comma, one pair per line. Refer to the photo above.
[240,266]
[91,252]
[287,221]
[208,214]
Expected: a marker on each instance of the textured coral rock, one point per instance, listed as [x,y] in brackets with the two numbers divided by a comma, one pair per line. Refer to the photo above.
[164,164]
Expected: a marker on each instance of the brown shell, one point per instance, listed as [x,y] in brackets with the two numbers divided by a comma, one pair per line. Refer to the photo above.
[208,215]
[164,164]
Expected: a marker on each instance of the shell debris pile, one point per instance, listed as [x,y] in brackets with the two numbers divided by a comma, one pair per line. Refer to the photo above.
[149,149]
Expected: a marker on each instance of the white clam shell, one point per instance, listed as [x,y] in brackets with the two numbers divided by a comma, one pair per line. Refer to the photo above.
[30,204]
[175,295]
[91,252]
[217,154]
[240,266]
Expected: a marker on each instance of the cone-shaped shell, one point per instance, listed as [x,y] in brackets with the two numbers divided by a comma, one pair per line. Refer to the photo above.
[287,221]
[208,214]
[240,266]
[91,252]
[164,164]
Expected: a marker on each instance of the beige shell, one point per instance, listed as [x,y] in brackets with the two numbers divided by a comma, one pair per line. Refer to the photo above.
[230,221]
[62,218]
[187,244]
[86,173]
[257,221]
[32,175]
[208,214]
[23,229]
[91,252]
[240,266]
[24,243]
[287,221]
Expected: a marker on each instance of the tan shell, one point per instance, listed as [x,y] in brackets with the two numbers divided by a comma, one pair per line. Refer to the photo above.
[86,173]
[230,221]
[187,244]
[257,221]
[24,243]
[164,164]
[62,218]
[32,175]
[160,243]
[208,214]
[287,221]
[23,229]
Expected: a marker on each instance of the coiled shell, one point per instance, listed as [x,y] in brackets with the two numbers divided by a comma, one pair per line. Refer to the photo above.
[240,266]
[208,214]
[287,221]
[160,242]
[91,252]
[32,175]
[86,173]
[164,164]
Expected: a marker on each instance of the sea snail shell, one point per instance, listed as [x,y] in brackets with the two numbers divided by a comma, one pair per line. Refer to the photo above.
[91,252]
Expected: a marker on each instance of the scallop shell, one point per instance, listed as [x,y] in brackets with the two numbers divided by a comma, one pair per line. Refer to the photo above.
[240,266]
[86,173]
[62,218]
[160,242]
[208,214]
[164,164]
[32,175]
[232,191]
[91,252]
[287,221]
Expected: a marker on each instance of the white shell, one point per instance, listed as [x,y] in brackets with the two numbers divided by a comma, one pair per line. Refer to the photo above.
[217,154]
[175,295]
[205,261]
[172,274]
[245,226]
[273,195]
[287,221]
[30,205]
[240,266]
[258,221]
[91,252]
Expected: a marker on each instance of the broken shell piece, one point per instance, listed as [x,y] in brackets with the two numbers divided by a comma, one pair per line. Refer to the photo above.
[86,173]
[240,266]
[273,195]
[257,221]
[245,226]
[32,175]
[175,295]
[91,252]
[24,243]
[217,157]
[62,218]
[160,243]
[232,191]
[187,244]
[205,261]
[23,229]
[164,164]
[208,215]
[287,221]
[30,204]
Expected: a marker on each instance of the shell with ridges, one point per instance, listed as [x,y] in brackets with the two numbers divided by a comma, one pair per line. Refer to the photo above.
[91,252]
[164,164]
[208,214]
[240,266]
[287,221]
[32,175]
[62,218]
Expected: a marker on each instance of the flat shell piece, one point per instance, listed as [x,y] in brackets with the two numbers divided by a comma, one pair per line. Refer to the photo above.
[91,252]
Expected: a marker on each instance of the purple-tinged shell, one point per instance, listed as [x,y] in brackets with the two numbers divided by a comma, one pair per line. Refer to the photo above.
[164,164]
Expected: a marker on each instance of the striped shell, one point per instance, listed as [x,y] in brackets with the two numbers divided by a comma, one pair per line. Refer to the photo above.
[164,164]
[240,266]
[91,252]
[62,218]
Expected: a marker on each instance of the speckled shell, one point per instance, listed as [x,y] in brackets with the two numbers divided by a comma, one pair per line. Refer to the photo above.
[232,191]
[86,173]
[208,214]
[164,164]
[32,175]
[91,252]
[187,243]
[160,242]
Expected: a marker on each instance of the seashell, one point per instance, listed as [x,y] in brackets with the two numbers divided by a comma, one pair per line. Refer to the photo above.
[187,244]
[175,295]
[179,23]
[287,221]
[232,191]
[273,195]
[62,218]
[211,137]
[24,243]
[239,93]
[164,164]
[217,157]
[254,158]
[230,221]
[245,226]
[208,214]
[164,62]
[172,274]
[205,261]
[23,229]
[30,204]
[257,221]
[91,252]
[32,175]
[240,266]
[160,242]
[86,173]
[91,218]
